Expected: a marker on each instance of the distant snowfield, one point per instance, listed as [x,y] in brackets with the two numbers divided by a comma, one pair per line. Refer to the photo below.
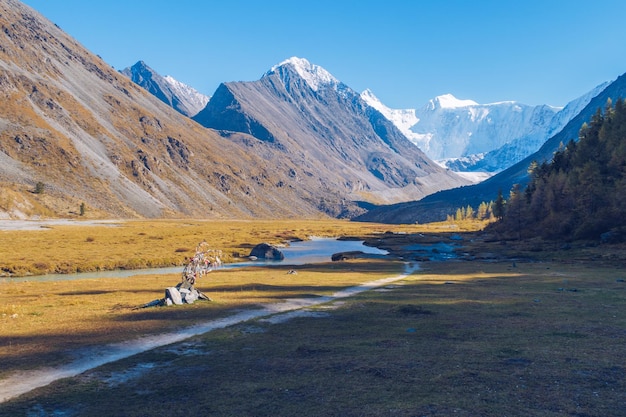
[501,133]
[475,177]
[87,359]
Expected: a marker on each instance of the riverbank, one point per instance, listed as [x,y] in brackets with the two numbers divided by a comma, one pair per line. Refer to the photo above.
[44,324]
[89,358]
[64,248]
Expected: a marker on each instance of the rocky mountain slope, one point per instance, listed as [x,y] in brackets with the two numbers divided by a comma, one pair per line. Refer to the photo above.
[326,129]
[183,98]
[89,135]
[437,206]
[77,136]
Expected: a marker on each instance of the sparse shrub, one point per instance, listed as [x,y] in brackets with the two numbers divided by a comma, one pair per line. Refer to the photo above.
[90,239]
[66,267]
[410,309]
[41,266]
[39,187]
[179,250]
[82,209]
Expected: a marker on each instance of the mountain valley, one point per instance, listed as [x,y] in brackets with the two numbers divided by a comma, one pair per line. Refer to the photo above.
[80,139]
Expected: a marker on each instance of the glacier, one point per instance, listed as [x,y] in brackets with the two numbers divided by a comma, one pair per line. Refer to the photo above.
[466,136]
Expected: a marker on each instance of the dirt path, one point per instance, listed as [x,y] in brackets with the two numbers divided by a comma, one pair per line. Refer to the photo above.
[23,382]
[9,224]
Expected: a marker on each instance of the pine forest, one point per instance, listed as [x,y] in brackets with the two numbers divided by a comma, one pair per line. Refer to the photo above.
[580,193]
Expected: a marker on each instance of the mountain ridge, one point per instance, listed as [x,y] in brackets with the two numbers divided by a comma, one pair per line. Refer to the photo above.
[297,142]
[312,115]
[183,98]
[74,132]
[91,135]
[437,206]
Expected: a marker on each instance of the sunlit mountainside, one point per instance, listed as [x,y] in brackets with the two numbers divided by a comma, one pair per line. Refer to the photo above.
[76,136]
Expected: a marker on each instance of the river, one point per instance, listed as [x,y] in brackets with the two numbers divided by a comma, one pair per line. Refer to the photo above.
[315,250]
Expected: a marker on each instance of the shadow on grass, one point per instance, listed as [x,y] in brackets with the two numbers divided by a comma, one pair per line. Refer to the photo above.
[462,338]
[87,292]
[469,336]
[491,343]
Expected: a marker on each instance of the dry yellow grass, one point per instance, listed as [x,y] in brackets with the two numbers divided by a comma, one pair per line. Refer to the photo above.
[43,322]
[145,244]
[484,337]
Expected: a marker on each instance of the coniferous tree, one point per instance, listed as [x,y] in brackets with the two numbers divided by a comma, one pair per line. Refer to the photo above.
[498,206]
[483,211]
[581,193]
[460,215]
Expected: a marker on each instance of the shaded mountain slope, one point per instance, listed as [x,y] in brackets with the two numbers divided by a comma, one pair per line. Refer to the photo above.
[328,131]
[437,206]
[181,97]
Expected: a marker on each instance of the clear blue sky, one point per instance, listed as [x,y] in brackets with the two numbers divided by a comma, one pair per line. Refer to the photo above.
[406,52]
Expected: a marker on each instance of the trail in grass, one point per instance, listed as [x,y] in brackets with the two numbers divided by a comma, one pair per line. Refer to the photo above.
[23,382]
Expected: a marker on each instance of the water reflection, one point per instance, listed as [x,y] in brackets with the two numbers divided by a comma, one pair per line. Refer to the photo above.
[321,249]
[433,251]
[315,250]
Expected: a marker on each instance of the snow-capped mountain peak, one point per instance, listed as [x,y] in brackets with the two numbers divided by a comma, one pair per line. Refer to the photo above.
[448,101]
[314,75]
[195,99]
[466,135]
[180,96]
[404,119]
[461,128]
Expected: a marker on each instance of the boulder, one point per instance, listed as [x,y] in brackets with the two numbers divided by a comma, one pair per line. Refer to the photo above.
[613,236]
[267,251]
[344,256]
[173,295]
[189,295]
